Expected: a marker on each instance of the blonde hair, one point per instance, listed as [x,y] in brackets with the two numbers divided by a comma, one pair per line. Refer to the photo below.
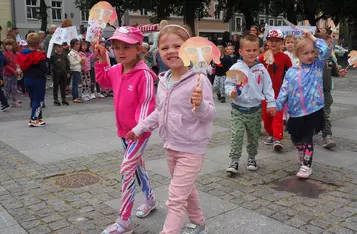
[288,37]
[250,38]
[299,44]
[33,39]
[184,32]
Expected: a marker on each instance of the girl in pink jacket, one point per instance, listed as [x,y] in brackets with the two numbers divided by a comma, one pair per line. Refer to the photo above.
[85,74]
[134,99]
[186,133]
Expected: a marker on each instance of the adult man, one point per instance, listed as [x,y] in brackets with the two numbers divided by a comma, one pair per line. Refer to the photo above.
[49,36]
[18,36]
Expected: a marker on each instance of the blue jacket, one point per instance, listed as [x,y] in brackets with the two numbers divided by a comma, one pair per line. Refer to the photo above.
[3,62]
[302,88]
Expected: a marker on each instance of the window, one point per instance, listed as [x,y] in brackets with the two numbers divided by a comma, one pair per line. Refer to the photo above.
[279,22]
[143,12]
[32,9]
[239,24]
[84,16]
[56,10]
[271,22]
[217,12]
[261,21]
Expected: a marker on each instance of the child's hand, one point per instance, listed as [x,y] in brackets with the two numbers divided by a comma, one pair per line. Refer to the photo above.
[197,98]
[234,94]
[342,72]
[272,111]
[131,136]
[309,35]
[101,53]
[83,60]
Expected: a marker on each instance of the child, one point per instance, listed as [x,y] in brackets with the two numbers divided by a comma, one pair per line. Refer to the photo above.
[4,104]
[230,53]
[33,64]
[75,62]
[274,125]
[85,74]
[302,90]
[10,72]
[330,69]
[134,99]
[289,45]
[60,73]
[93,82]
[185,132]
[246,105]
[221,69]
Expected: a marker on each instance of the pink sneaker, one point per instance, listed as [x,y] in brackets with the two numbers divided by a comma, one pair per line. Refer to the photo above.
[120,227]
[16,104]
[144,209]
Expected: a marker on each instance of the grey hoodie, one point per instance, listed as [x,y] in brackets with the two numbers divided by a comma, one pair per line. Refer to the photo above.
[258,88]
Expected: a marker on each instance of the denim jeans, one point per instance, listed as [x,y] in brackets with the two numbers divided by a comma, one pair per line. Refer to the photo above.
[76,79]
[37,90]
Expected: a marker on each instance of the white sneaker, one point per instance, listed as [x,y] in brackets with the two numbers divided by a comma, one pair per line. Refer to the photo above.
[99,95]
[85,98]
[304,172]
[92,96]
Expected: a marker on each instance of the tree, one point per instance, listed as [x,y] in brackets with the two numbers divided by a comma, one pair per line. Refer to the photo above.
[43,15]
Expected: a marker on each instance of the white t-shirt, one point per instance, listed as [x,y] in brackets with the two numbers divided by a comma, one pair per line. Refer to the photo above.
[293,59]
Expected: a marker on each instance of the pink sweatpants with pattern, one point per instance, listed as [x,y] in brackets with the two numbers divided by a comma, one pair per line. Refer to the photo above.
[132,167]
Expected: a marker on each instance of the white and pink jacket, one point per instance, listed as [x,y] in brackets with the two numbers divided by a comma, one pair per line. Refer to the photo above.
[134,93]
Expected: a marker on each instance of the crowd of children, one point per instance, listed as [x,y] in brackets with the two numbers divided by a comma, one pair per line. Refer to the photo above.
[294,86]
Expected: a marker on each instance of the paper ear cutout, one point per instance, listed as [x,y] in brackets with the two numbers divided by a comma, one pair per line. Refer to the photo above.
[352,61]
[238,77]
[269,57]
[199,52]
[101,14]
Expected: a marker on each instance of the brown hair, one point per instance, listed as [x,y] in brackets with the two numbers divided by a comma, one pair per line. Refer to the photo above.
[288,37]
[256,28]
[33,39]
[250,38]
[323,36]
[11,42]
[66,23]
[299,44]
[177,30]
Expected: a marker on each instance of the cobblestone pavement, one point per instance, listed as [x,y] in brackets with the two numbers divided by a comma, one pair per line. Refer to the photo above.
[327,203]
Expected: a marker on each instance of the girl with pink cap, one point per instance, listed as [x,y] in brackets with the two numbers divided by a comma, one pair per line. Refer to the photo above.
[134,99]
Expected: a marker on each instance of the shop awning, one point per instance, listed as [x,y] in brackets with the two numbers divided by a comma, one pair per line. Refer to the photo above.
[149,28]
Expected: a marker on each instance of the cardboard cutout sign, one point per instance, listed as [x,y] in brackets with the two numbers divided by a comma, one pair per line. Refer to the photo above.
[99,15]
[199,52]
[269,57]
[60,36]
[238,77]
[352,61]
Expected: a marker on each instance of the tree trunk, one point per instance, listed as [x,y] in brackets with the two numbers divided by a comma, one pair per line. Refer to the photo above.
[189,15]
[43,15]
[120,15]
[249,20]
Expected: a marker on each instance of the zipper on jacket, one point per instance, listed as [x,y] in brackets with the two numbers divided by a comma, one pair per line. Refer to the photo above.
[302,99]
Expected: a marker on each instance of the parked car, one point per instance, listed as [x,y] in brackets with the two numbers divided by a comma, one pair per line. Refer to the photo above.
[340,51]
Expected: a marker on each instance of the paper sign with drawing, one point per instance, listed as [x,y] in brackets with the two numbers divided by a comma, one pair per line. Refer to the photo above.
[99,15]
[60,36]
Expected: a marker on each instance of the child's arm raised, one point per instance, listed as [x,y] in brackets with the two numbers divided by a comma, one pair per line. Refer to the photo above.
[321,46]
[103,72]
[202,97]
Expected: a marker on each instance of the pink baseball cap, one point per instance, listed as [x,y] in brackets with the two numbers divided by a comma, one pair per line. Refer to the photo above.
[128,34]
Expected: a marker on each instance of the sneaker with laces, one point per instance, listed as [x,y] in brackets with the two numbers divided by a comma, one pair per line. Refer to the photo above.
[92,96]
[37,123]
[5,107]
[120,227]
[86,98]
[278,146]
[328,143]
[269,140]
[77,100]
[56,103]
[300,156]
[233,168]
[65,103]
[192,228]
[304,172]
[252,164]
[144,209]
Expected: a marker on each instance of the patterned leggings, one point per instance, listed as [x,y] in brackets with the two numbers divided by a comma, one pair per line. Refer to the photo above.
[218,85]
[86,83]
[306,145]
[11,87]
[133,166]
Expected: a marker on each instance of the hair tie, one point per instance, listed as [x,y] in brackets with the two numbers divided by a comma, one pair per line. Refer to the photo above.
[177,26]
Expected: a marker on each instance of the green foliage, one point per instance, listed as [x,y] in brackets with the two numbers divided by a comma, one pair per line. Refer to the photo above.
[9,24]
